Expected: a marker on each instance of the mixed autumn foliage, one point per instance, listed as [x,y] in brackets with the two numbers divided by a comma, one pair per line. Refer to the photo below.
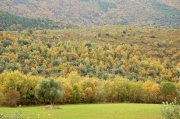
[98,12]
[17,88]
[98,64]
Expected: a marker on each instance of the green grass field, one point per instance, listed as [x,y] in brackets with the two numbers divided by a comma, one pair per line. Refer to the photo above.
[89,111]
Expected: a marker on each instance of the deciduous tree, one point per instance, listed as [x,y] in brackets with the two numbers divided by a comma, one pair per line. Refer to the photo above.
[49,90]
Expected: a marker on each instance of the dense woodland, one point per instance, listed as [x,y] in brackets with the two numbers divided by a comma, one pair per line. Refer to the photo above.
[13,22]
[161,13]
[98,64]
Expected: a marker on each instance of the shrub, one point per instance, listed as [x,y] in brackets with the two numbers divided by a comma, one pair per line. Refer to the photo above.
[152,73]
[12,66]
[152,36]
[1,68]
[14,116]
[23,42]
[30,31]
[124,32]
[178,39]
[49,45]
[6,43]
[2,50]
[40,70]
[56,62]
[88,44]
[1,115]
[99,34]
[107,34]
[23,55]
[131,76]
[170,110]
[6,59]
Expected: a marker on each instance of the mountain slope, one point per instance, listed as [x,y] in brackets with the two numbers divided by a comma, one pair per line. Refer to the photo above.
[13,22]
[173,3]
[99,12]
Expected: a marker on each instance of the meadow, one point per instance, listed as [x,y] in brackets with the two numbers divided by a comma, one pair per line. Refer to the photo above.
[89,111]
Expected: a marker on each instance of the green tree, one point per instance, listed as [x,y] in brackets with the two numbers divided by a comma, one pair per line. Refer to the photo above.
[14,83]
[166,89]
[49,90]
[110,90]
[75,94]
[88,91]
[100,94]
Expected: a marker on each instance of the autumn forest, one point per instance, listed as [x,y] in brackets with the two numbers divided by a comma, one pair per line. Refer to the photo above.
[97,50]
[97,64]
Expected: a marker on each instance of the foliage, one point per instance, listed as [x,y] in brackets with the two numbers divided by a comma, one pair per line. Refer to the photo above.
[108,68]
[41,54]
[17,88]
[170,110]
[167,88]
[161,13]
[75,95]
[10,98]
[19,23]
[49,90]
[105,6]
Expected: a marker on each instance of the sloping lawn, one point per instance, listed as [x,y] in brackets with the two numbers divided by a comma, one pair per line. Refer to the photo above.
[89,111]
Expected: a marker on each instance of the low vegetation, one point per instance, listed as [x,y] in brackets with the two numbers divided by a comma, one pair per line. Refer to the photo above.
[170,110]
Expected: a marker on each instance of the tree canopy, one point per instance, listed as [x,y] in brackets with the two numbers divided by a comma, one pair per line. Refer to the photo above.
[49,90]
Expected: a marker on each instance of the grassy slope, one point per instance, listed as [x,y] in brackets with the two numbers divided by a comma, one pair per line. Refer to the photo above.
[93,111]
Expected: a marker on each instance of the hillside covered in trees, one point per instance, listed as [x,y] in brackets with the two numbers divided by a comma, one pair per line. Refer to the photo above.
[134,53]
[162,13]
[98,64]
[13,22]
